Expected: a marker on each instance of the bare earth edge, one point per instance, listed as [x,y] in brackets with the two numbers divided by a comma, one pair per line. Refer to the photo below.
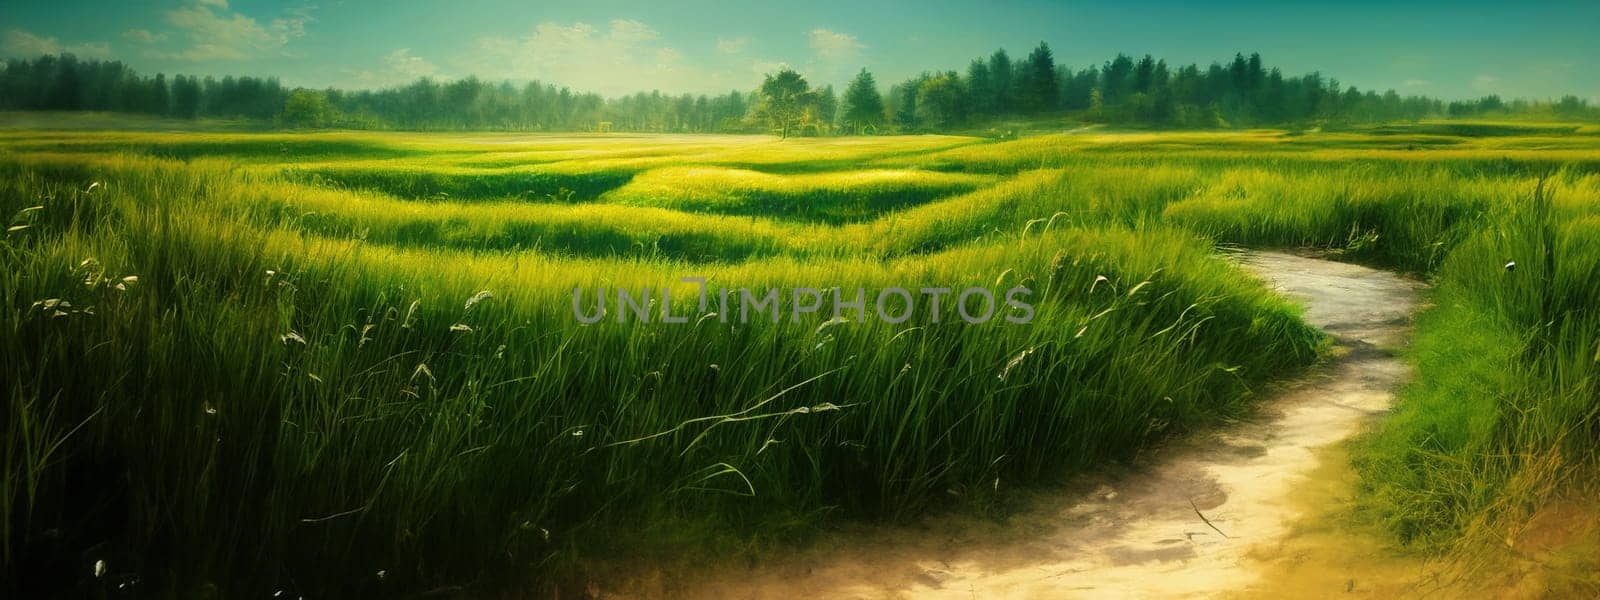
[1203,516]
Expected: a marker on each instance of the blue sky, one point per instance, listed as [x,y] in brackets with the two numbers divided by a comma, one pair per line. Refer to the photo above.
[1445,49]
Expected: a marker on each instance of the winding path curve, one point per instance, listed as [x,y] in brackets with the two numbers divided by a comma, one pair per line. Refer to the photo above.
[1181,525]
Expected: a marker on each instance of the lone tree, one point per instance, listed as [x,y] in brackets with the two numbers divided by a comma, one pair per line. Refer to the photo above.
[784,99]
[863,107]
[306,108]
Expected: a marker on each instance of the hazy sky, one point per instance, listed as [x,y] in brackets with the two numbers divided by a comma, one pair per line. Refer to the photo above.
[1445,49]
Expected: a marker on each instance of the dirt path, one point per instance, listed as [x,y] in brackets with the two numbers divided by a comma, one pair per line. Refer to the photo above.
[1184,524]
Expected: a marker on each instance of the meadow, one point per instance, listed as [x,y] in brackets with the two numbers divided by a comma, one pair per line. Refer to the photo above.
[347,363]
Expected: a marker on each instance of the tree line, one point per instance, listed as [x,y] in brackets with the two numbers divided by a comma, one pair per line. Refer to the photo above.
[1147,91]
[68,84]
[993,90]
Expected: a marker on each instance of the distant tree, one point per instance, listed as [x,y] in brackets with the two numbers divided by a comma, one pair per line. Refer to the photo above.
[459,102]
[1003,83]
[863,107]
[824,108]
[940,101]
[1254,73]
[1116,79]
[980,88]
[784,100]
[701,112]
[1078,88]
[67,91]
[1239,73]
[1039,92]
[1235,93]
[1571,106]
[1272,98]
[904,99]
[1144,74]
[730,111]
[160,96]
[1242,98]
[185,97]
[420,104]
[306,108]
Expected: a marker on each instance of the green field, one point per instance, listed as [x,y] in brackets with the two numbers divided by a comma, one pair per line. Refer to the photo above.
[341,363]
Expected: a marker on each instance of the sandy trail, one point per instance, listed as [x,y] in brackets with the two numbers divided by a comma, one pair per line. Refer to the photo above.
[1182,524]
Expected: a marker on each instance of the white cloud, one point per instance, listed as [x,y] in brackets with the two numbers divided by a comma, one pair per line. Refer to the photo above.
[399,68]
[832,45]
[213,36]
[293,23]
[623,59]
[213,32]
[732,45]
[763,68]
[1484,83]
[1416,82]
[20,43]
[413,67]
[629,32]
[143,36]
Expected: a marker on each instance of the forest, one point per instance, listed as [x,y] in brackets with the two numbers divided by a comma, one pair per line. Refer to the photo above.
[994,91]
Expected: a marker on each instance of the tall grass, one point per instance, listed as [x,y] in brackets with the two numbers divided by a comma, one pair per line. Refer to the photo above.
[225,403]
[250,379]
[1506,409]
[1504,413]
[834,197]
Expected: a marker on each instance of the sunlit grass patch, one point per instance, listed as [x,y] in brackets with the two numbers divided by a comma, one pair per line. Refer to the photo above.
[827,197]
[589,230]
[1476,128]
[255,148]
[535,183]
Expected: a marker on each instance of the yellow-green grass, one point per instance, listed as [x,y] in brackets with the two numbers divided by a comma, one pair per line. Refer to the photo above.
[832,196]
[600,151]
[1465,155]
[303,386]
[1481,128]
[370,416]
[1505,411]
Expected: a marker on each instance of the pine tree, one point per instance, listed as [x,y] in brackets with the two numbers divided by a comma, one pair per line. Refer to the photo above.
[66,93]
[1004,83]
[1117,79]
[980,88]
[160,96]
[185,97]
[1144,74]
[863,106]
[1039,90]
